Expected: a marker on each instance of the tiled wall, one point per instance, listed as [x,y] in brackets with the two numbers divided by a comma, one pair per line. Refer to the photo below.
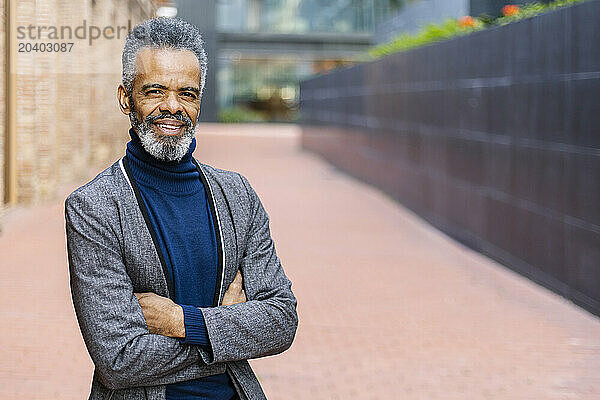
[494,138]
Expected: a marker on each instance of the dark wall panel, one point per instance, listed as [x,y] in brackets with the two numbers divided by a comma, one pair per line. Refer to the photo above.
[493,137]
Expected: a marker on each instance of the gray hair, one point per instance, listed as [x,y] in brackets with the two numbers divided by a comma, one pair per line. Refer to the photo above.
[162,32]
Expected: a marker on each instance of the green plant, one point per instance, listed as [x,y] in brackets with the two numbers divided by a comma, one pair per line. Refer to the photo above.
[239,114]
[431,33]
[452,28]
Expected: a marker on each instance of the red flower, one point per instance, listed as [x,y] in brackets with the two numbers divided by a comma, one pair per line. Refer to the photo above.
[466,22]
[510,10]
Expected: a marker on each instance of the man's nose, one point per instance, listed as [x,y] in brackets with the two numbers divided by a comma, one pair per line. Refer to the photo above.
[171,103]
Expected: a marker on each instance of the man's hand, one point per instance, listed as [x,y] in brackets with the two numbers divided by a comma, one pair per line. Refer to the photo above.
[235,292]
[162,315]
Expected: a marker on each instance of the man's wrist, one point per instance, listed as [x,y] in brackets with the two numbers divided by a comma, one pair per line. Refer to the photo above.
[178,325]
[195,327]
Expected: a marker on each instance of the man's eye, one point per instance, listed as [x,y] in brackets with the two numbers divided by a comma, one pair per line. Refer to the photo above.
[153,91]
[189,94]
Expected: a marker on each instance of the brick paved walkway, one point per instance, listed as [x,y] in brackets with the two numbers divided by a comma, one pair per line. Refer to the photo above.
[389,307]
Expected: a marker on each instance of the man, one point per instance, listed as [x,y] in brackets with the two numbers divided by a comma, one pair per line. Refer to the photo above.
[154,240]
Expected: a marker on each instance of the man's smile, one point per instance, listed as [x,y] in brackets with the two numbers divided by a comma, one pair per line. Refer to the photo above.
[171,127]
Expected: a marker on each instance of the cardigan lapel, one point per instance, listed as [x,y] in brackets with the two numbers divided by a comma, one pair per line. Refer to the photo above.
[220,208]
[141,258]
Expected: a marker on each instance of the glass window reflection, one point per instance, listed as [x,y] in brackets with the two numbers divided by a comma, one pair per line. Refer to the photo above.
[300,16]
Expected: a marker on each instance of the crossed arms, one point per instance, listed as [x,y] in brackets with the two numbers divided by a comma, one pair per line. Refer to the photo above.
[111,319]
[164,317]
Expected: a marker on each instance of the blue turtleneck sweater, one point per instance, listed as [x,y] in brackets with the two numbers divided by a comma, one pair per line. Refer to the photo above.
[180,216]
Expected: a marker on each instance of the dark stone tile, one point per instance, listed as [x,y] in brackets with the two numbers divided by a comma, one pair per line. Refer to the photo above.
[583,261]
[584,112]
[438,191]
[550,116]
[498,115]
[524,234]
[553,181]
[451,108]
[457,69]
[407,185]
[582,195]
[434,108]
[539,176]
[466,211]
[520,36]
[539,240]
[427,192]
[498,166]
[374,106]
[416,107]
[438,70]
[413,192]
[501,56]
[382,144]
[501,216]
[523,174]
[465,160]
[415,148]
[520,110]
[477,108]
[456,205]
[477,215]
[399,146]
[392,71]
[434,153]
[550,44]
[381,172]
[355,105]
[585,36]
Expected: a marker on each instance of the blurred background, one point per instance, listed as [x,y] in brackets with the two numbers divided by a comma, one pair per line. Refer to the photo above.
[431,168]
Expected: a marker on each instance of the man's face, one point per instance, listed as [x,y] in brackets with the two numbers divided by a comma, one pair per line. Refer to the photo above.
[165,101]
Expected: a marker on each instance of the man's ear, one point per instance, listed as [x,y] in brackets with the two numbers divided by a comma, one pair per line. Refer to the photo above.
[123,99]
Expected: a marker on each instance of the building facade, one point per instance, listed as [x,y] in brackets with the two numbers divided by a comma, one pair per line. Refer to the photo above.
[61,68]
[260,49]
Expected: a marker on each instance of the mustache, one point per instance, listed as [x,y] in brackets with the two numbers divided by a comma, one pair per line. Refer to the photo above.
[167,115]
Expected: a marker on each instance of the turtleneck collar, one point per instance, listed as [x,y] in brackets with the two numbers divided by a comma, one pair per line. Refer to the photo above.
[169,176]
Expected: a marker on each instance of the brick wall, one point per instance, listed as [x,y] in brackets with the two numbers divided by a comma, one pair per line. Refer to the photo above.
[2,100]
[67,119]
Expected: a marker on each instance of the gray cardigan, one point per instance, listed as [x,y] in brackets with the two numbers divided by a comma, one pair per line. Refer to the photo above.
[112,254]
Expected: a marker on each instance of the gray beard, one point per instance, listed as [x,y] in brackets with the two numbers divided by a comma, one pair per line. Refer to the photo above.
[164,148]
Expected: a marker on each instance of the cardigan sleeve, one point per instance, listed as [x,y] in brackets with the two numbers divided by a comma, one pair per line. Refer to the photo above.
[195,328]
[266,323]
[112,324]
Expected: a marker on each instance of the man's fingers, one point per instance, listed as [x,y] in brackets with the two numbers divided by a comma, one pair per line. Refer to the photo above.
[142,295]
[235,292]
[237,281]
